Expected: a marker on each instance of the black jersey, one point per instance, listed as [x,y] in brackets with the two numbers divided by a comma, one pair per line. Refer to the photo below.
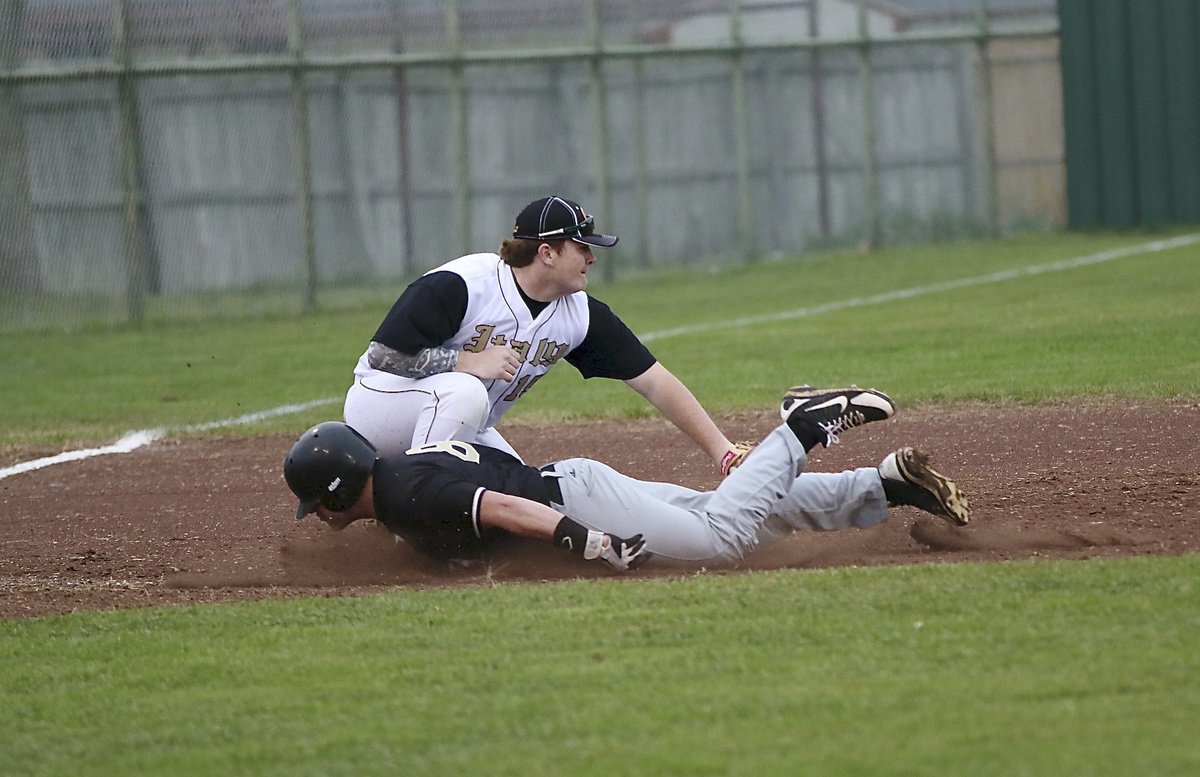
[430,495]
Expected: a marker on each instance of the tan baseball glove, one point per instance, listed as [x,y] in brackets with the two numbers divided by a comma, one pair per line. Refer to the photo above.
[734,457]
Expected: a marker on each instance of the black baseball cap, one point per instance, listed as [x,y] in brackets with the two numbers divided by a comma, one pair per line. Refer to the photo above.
[554,218]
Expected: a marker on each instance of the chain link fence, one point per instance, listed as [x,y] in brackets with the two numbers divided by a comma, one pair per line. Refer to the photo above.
[171,158]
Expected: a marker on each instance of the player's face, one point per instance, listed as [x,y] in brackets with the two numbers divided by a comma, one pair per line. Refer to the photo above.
[572,265]
[336,521]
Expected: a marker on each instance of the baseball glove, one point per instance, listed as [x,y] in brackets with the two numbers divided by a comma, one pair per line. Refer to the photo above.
[734,457]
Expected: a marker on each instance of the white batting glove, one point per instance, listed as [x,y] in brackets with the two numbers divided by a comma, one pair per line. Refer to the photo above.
[620,554]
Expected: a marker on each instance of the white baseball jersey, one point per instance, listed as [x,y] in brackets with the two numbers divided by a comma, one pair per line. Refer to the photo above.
[496,314]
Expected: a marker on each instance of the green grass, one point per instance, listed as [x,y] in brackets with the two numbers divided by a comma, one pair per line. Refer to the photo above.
[1028,668]
[1124,328]
[1066,668]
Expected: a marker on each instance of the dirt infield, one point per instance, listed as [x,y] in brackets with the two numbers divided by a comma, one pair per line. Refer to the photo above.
[206,520]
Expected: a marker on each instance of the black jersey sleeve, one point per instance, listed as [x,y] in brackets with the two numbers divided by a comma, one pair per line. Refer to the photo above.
[447,504]
[427,314]
[610,349]
[432,508]
[430,495]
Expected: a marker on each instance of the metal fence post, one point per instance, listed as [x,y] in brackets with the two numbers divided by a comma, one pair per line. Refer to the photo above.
[820,154]
[303,153]
[600,103]
[870,154]
[18,250]
[131,184]
[403,152]
[460,127]
[987,112]
[741,132]
[641,161]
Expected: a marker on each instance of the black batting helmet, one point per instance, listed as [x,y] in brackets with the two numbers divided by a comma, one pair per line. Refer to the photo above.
[329,465]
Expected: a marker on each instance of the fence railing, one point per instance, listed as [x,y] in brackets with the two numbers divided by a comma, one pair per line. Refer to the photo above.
[152,168]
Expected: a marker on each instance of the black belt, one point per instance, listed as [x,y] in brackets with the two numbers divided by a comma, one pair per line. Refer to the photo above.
[550,481]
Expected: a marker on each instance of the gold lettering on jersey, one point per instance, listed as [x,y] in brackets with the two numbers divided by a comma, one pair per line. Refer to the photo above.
[523,384]
[539,358]
[480,340]
[546,354]
[549,352]
[456,448]
[521,347]
[559,351]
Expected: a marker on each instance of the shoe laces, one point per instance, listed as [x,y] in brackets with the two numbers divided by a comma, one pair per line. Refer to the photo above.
[840,424]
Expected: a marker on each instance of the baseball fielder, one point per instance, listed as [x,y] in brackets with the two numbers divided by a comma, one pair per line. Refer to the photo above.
[468,339]
[456,500]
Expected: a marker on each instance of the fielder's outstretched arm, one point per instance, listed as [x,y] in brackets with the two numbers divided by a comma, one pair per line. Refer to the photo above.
[666,392]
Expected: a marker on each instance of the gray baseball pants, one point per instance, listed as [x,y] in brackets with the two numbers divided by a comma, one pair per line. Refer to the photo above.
[768,495]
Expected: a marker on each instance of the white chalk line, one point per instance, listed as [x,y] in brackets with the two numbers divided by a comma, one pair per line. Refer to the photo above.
[932,288]
[134,440]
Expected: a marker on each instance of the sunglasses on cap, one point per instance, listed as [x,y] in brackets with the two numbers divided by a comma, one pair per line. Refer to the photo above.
[538,219]
[582,229]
